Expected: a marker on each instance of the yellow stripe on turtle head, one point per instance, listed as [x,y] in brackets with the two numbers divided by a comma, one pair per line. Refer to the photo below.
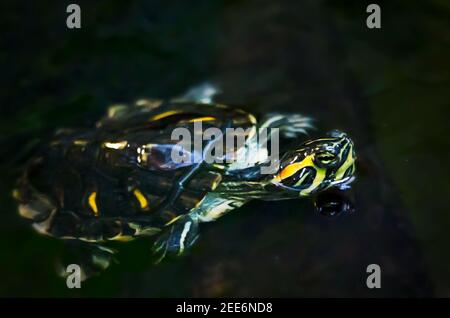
[291,169]
[318,179]
[93,203]
[350,160]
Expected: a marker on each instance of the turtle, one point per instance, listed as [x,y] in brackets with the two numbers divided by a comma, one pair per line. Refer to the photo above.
[121,180]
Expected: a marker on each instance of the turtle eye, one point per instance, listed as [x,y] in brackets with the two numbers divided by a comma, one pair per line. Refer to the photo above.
[325,158]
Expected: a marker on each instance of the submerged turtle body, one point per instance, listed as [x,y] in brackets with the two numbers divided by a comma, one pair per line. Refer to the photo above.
[120,180]
[109,183]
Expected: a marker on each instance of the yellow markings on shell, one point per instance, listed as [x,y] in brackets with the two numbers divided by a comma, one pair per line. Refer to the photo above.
[294,167]
[80,142]
[141,198]
[115,145]
[173,220]
[206,118]
[93,203]
[165,114]
[348,162]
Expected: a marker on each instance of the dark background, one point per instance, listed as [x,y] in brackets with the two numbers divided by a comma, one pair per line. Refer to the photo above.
[388,88]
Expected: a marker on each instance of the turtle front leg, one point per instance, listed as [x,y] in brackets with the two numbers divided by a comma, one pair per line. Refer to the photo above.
[290,125]
[176,238]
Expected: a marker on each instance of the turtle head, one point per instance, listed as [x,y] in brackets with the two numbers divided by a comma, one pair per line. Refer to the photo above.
[317,164]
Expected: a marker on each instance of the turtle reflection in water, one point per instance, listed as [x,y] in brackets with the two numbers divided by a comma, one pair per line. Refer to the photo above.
[116,182]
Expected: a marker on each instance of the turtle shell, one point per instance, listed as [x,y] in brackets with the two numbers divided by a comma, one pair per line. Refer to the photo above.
[118,180]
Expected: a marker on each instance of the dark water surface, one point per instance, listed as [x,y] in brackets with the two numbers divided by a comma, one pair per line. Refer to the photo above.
[388,88]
